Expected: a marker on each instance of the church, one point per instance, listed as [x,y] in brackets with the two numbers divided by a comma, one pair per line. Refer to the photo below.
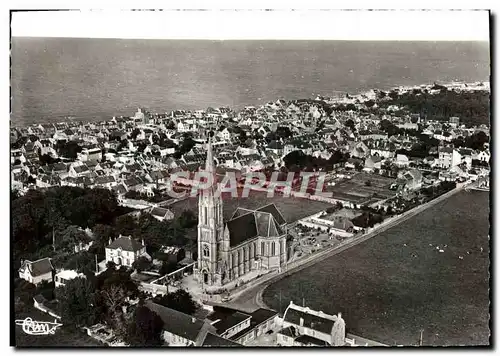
[251,240]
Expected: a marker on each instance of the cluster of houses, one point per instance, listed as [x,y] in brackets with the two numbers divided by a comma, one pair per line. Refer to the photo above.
[140,154]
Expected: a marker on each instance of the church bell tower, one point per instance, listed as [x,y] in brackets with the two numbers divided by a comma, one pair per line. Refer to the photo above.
[212,261]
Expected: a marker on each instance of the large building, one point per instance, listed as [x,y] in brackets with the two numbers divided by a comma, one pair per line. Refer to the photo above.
[306,327]
[251,240]
[125,250]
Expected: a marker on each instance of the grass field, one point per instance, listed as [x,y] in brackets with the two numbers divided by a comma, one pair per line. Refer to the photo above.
[356,190]
[292,208]
[397,283]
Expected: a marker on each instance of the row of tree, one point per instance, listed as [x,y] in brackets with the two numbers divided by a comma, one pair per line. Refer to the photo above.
[472,107]
[298,161]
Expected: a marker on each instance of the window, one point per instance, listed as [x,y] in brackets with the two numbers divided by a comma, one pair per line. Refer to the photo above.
[205,215]
[273,248]
[206,251]
[262,248]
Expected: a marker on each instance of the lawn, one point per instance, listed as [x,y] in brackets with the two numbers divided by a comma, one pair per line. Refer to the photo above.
[398,283]
[291,208]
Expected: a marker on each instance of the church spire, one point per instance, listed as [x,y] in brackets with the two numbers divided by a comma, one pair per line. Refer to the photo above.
[209,165]
[210,168]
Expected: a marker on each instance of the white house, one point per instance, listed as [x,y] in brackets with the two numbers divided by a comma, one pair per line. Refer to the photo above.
[448,157]
[124,251]
[402,160]
[63,276]
[306,327]
[37,271]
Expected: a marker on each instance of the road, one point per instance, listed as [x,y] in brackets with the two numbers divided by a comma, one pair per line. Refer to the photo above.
[251,297]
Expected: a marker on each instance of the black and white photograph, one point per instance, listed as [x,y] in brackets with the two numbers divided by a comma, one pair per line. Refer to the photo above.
[250,178]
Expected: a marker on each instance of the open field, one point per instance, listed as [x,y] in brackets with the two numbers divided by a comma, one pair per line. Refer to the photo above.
[357,190]
[292,208]
[397,283]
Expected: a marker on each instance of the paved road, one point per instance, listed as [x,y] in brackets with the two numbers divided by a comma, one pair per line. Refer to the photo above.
[251,297]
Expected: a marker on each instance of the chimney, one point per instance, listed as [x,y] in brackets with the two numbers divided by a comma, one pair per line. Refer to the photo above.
[339,315]
[143,244]
[193,320]
[110,240]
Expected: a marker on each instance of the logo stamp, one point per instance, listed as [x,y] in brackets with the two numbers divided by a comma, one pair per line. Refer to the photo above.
[32,327]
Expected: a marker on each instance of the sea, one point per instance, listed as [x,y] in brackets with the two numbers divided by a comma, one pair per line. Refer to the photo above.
[96,79]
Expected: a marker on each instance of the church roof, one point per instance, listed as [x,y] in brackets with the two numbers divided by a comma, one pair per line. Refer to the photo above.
[273,210]
[246,224]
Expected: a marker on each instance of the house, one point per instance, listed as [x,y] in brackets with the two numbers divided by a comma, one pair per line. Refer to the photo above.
[90,154]
[63,276]
[124,251]
[360,150]
[78,170]
[448,157]
[411,180]
[37,271]
[483,156]
[239,326]
[181,329]
[373,162]
[212,340]
[161,214]
[354,163]
[402,160]
[454,121]
[466,157]
[306,327]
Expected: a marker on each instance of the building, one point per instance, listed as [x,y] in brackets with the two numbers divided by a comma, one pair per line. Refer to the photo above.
[124,251]
[90,154]
[448,157]
[36,272]
[239,326]
[212,340]
[181,329]
[62,277]
[306,327]
[251,240]
[454,121]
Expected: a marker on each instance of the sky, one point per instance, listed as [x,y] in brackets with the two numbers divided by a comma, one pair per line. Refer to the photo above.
[431,25]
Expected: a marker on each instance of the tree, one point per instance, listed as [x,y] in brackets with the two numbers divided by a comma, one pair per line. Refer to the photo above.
[350,124]
[113,298]
[167,267]
[145,328]
[180,300]
[141,264]
[77,302]
[369,103]
[187,219]
[68,149]
[102,233]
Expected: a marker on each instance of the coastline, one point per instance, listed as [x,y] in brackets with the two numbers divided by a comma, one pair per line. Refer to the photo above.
[334,99]
[251,297]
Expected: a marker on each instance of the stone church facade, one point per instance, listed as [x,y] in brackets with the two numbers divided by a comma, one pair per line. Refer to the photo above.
[251,240]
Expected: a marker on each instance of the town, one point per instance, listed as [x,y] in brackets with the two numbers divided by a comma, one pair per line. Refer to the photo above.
[112,237]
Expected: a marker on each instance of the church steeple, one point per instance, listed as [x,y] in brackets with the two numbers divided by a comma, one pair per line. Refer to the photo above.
[210,169]
[212,253]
